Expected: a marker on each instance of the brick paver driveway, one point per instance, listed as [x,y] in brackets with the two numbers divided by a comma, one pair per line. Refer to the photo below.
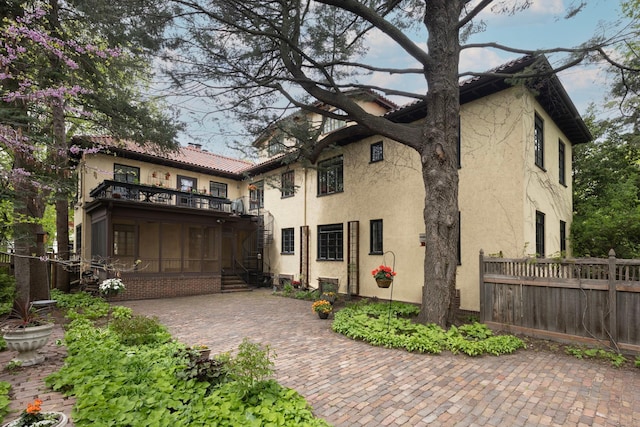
[350,383]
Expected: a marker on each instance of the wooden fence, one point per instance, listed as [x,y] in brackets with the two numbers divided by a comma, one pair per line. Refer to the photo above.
[592,301]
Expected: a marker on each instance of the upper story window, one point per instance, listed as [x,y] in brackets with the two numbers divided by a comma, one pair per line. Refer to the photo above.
[218,189]
[561,163]
[187,184]
[124,173]
[256,195]
[330,123]
[288,184]
[330,176]
[377,152]
[275,146]
[538,141]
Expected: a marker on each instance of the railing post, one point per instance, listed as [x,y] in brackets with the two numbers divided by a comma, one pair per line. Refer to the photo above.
[613,299]
[482,288]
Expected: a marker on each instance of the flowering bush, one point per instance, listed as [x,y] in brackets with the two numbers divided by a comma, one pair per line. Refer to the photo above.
[33,417]
[321,306]
[111,287]
[383,272]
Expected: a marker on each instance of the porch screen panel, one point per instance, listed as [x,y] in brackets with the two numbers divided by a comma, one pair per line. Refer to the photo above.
[353,258]
[210,257]
[149,247]
[193,249]
[99,239]
[171,252]
[304,255]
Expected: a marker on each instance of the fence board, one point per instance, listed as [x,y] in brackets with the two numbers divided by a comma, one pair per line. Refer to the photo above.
[589,299]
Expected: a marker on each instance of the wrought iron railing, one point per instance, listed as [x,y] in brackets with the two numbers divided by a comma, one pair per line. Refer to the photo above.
[159,195]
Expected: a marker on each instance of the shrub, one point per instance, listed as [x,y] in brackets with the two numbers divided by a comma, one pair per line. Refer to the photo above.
[139,330]
[7,292]
[388,325]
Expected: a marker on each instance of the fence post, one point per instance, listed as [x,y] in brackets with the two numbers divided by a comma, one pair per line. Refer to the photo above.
[613,298]
[482,289]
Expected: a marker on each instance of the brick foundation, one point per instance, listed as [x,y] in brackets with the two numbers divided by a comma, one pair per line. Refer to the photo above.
[150,287]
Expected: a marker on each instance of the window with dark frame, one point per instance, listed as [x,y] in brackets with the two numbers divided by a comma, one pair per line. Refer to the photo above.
[538,140]
[124,240]
[540,251]
[288,184]
[256,195]
[124,173]
[186,184]
[561,163]
[330,238]
[377,152]
[563,238]
[288,245]
[330,176]
[218,189]
[375,237]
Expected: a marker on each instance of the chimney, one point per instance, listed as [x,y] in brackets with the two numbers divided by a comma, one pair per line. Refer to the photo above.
[194,145]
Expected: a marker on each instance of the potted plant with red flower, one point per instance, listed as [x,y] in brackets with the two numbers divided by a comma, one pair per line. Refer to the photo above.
[384,276]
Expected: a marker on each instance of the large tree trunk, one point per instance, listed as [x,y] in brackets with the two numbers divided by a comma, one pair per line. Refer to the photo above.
[30,272]
[440,162]
[61,195]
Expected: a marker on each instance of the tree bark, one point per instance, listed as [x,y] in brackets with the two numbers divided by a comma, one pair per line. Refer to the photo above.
[440,162]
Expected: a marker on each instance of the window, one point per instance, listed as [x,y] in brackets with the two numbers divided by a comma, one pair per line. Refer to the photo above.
[123,173]
[124,240]
[538,140]
[256,195]
[561,163]
[275,146]
[288,244]
[375,236]
[186,184]
[330,176]
[377,152]
[128,174]
[330,242]
[539,234]
[330,123]
[218,189]
[563,238]
[287,183]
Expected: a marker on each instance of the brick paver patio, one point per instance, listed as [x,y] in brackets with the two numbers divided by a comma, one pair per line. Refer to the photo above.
[350,383]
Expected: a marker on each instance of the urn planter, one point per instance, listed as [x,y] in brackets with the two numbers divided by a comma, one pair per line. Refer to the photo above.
[27,341]
[59,421]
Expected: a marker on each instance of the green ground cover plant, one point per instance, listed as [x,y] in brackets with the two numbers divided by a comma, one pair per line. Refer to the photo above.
[616,359]
[4,398]
[390,325]
[129,372]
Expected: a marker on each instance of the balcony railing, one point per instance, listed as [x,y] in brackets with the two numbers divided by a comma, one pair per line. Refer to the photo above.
[159,195]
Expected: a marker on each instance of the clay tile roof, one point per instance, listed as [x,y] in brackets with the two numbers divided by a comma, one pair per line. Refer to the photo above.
[189,155]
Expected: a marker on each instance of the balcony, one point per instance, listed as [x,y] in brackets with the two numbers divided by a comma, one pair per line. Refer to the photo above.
[159,195]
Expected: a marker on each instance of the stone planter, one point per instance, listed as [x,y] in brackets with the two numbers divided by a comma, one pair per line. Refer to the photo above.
[27,341]
[62,420]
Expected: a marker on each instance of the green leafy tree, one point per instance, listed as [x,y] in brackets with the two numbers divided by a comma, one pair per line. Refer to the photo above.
[606,194]
[607,171]
[61,74]
[262,58]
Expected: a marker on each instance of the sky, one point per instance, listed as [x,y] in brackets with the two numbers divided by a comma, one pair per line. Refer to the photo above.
[542,25]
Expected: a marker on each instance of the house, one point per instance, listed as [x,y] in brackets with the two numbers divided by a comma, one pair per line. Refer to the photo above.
[361,204]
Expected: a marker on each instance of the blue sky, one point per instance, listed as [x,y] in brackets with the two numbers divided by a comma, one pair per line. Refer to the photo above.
[541,26]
